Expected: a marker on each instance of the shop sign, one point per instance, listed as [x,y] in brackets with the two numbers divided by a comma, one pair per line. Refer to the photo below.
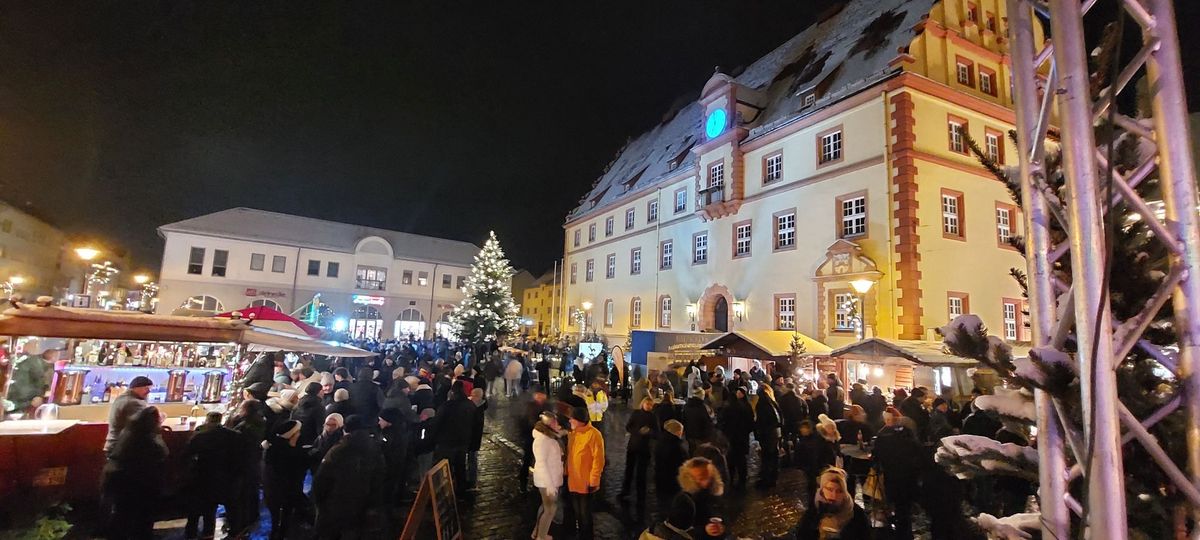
[50,476]
[265,293]
[367,300]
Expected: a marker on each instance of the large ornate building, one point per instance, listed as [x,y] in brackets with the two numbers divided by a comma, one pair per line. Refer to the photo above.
[837,162]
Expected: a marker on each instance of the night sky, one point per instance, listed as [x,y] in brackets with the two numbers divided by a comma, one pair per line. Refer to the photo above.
[442,118]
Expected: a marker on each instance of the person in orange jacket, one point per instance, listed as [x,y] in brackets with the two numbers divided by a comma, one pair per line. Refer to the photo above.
[585,464]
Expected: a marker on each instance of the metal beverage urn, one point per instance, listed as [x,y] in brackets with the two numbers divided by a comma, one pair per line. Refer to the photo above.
[176,382]
[214,384]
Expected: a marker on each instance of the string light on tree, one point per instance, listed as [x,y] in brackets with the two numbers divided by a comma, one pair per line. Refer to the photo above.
[488,311]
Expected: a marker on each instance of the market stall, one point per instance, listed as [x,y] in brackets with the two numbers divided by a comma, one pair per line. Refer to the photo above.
[739,350]
[892,363]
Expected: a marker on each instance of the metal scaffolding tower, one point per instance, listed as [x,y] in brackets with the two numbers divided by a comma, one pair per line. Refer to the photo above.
[1082,304]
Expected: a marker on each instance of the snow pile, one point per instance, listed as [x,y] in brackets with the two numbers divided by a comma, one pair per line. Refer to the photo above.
[962,325]
[967,456]
[1011,403]
[1014,527]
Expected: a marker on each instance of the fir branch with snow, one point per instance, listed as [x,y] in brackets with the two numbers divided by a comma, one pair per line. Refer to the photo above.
[488,312]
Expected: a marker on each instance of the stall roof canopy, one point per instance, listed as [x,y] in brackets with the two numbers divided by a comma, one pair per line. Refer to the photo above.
[927,353]
[771,343]
[64,322]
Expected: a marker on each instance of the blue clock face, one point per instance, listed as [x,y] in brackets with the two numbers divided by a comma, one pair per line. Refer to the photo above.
[715,123]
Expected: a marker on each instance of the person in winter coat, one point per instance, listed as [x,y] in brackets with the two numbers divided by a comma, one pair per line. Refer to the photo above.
[914,407]
[701,488]
[421,393]
[395,437]
[677,526]
[125,407]
[133,476]
[512,377]
[858,392]
[366,398]
[874,405]
[250,421]
[940,424]
[642,429]
[262,369]
[397,397]
[597,403]
[310,413]
[585,464]
[836,395]
[349,483]
[737,422]
[664,408]
[827,448]
[767,430]
[331,434]
[697,419]
[855,432]
[212,462]
[283,477]
[818,404]
[640,391]
[341,403]
[529,418]
[794,410]
[670,452]
[547,470]
[453,425]
[834,514]
[899,457]
[476,442]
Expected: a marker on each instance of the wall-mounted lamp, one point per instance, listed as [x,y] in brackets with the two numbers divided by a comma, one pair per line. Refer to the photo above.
[691,311]
[739,310]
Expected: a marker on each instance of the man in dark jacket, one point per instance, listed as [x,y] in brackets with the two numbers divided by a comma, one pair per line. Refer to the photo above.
[529,418]
[310,413]
[794,410]
[366,398]
[702,489]
[396,439]
[874,404]
[914,407]
[349,483]
[818,404]
[900,458]
[642,429]
[837,397]
[767,430]
[213,461]
[670,452]
[452,434]
[481,405]
[697,421]
[737,422]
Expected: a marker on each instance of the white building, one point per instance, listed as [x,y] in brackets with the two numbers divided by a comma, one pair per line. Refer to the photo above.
[376,282]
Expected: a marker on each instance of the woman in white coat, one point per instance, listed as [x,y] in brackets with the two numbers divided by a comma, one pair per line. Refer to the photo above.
[547,470]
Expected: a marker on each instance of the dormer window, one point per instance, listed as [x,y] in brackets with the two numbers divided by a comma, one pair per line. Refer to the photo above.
[810,99]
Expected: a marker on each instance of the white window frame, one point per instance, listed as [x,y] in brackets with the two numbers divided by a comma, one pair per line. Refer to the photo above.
[954,306]
[591,232]
[842,321]
[630,218]
[743,235]
[854,217]
[785,230]
[991,146]
[610,267]
[951,215]
[700,248]
[1010,321]
[716,174]
[831,146]
[635,313]
[652,212]
[985,82]
[574,273]
[1003,224]
[681,201]
[667,255]
[609,225]
[958,140]
[578,236]
[962,73]
[608,313]
[589,272]
[664,312]
[635,261]
[786,312]
[773,168]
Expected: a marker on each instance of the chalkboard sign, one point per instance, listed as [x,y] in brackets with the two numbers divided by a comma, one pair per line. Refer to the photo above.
[436,492]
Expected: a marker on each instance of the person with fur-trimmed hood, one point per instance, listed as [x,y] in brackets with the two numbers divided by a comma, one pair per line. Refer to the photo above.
[834,514]
[701,488]
[827,449]
[547,469]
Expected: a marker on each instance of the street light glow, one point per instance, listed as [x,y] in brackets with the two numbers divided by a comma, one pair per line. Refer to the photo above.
[861,286]
[141,279]
[87,253]
[587,306]
[17,280]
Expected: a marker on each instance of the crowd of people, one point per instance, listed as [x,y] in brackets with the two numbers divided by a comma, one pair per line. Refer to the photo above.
[366,441]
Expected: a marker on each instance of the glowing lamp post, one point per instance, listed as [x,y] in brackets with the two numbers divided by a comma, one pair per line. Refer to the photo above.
[862,287]
[85,254]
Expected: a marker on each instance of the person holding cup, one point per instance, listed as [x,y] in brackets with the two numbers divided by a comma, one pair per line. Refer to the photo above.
[702,489]
[834,514]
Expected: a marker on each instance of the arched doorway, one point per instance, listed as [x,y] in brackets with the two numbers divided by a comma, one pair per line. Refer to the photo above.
[366,322]
[721,314]
[412,322]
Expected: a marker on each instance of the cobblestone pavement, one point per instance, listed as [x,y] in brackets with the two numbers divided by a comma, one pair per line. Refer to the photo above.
[497,509]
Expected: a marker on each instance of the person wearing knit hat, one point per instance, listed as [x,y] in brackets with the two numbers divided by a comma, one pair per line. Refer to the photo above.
[354,423]
[286,463]
[899,456]
[585,464]
[940,423]
[258,391]
[396,440]
[341,403]
[669,454]
[310,412]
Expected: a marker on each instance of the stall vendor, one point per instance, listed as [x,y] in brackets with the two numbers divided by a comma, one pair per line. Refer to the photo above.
[30,376]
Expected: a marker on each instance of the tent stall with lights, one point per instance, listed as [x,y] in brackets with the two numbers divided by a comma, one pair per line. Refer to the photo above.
[892,363]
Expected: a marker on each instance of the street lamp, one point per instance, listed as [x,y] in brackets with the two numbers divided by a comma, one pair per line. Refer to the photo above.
[587,318]
[86,254]
[141,279]
[862,286]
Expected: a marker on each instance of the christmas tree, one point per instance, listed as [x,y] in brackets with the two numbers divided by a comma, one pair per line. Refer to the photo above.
[488,311]
[1138,264]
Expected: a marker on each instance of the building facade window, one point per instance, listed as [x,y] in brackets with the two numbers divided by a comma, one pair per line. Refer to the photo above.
[716,174]
[664,312]
[785,312]
[1003,225]
[460,283]
[785,230]
[843,307]
[635,261]
[592,232]
[196,261]
[278,264]
[990,22]
[203,303]
[829,146]
[965,72]
[574,272]
[993,145]
[610,267]
[953,225]
[258,261]
[666,254]
[957,130]
[987,81]
[957,304]
[630,217]
[773,167]
[635,312]
[578,234]
[608,313]
[332,269]
[651,211]
[681,200]
[608,226]
[314,267]
[589,270]
[1010,319]
[973,13]
[742,236]
[422,279]
[406,277]
[852,212]
[220,262]
[267,303]
[700,248]
[370,278]
[447,281]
